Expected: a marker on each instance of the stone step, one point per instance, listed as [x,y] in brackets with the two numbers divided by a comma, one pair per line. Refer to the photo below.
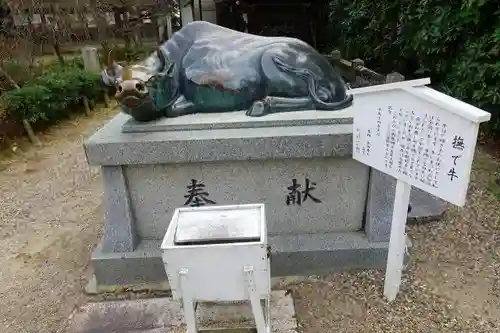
[164,315]
[202,330]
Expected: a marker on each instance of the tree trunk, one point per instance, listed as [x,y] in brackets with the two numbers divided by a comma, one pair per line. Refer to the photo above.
[136,27]
[106,99]
[102,25]
[56,28]
[83,17]
[31,133]
[9,78]
[57,47]
[125,28]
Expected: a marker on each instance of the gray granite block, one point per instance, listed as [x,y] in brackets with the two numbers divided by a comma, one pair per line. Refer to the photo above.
[238,119]
[119,229]
[291,255]
[143,265]
[425,206]
[320,254]
[109,146]
[380,203]
[340,183]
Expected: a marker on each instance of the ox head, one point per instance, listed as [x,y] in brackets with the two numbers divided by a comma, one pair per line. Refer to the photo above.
[144,91]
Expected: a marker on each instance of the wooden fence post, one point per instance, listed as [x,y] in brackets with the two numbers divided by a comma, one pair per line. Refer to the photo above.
[354,67]
[31,134]
[336,56]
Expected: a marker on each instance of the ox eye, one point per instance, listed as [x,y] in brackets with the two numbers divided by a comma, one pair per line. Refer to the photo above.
[139,86]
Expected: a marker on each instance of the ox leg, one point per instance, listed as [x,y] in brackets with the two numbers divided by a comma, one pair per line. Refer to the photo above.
[273,104]
[181,107]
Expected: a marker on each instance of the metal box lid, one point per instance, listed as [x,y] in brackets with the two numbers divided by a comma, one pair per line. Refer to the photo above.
[219,224]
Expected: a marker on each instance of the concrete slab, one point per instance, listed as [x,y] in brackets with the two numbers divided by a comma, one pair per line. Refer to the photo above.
[109,146]
[291,255]
[162,289]
[239,119]
[165,315]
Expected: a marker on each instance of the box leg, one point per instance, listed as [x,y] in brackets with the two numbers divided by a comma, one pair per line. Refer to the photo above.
[268,314]
[187,302]
[257,310]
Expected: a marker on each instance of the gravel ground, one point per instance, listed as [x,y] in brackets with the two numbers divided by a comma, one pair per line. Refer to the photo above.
[452,283]
[50,219]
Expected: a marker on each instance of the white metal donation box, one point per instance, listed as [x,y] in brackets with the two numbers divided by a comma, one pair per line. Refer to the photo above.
[421,137]
[219,254]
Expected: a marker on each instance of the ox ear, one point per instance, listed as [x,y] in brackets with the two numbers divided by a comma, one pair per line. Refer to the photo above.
[107,79]
[111,71]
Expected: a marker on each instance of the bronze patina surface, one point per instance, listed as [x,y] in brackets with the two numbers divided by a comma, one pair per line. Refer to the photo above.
[204,67]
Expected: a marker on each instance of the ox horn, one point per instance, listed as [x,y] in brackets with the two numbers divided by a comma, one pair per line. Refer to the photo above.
[110,66]
[161,57]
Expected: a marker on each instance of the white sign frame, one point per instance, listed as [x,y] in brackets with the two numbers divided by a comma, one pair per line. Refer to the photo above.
[395,115]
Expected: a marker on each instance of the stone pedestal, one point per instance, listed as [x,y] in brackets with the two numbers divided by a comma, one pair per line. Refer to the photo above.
[325,211]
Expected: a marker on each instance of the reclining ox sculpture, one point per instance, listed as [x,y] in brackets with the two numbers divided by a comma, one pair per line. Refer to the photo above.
[204,67]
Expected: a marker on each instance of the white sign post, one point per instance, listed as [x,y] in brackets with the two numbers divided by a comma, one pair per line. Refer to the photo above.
[421,137]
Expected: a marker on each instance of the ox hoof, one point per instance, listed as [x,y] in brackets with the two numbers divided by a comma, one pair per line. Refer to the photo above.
[258,109]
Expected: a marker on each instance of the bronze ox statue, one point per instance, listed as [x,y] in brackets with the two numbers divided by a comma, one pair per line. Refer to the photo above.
[204,67]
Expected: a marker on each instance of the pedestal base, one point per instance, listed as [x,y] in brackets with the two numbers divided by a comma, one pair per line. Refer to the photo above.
[311,254]
[146,175]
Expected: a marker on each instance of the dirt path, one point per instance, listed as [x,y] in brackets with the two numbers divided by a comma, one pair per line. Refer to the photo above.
[50,219]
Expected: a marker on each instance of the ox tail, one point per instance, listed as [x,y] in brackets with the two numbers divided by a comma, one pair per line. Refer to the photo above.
[311,85]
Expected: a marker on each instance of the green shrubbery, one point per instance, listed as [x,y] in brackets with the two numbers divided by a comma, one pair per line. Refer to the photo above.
[54,94]
[52,91]
[456,43]
[19,73]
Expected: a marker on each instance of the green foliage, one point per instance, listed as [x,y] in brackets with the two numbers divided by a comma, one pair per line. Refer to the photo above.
[122,54]
[54,94]
[18,72]
[456,43]
[21,74]
[51,91]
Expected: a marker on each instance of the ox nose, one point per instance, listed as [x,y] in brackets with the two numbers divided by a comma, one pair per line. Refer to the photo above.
[131,88]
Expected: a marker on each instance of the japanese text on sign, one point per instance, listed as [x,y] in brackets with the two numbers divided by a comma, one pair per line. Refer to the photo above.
[415,141]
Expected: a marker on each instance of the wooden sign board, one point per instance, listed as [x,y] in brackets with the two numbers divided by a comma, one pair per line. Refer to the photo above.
[418,135]
[421,137]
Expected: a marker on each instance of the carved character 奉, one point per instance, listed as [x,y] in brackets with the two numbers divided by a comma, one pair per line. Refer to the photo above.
[204,67]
